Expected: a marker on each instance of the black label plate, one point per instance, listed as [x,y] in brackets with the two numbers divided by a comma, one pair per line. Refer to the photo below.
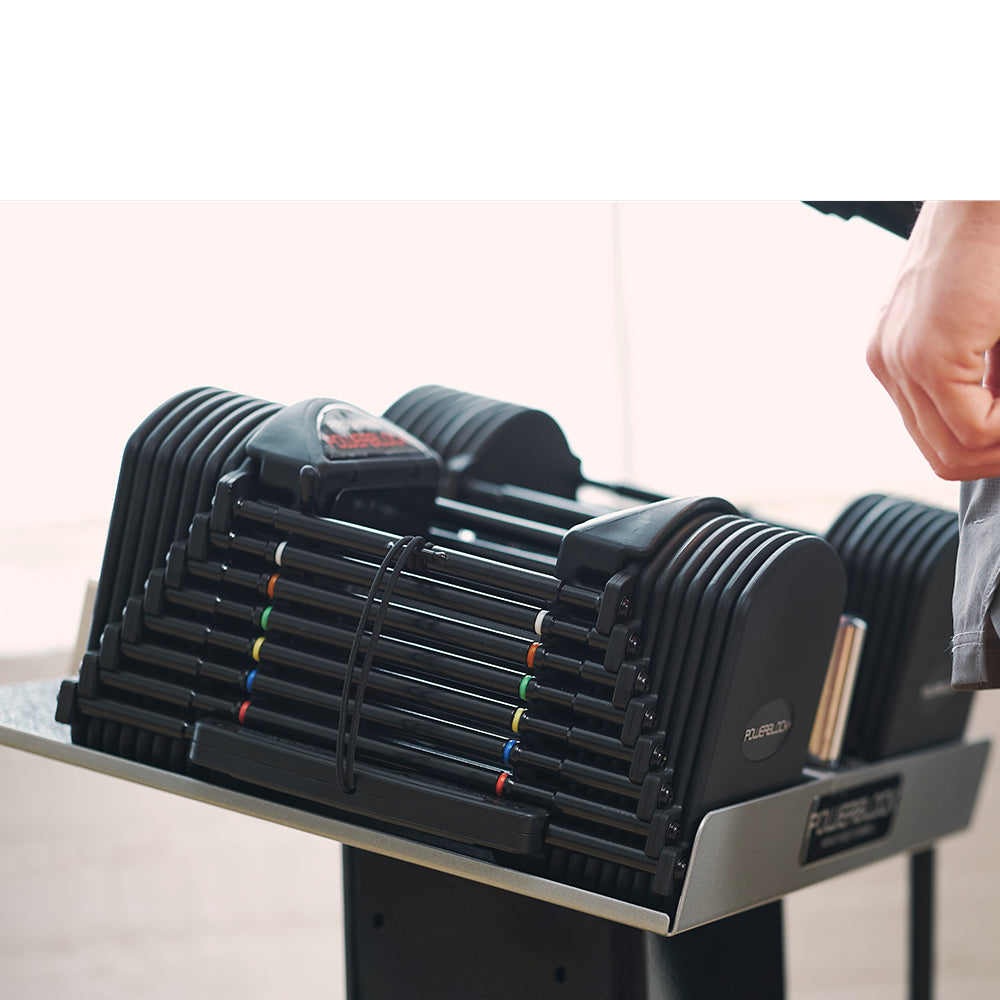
[850,818]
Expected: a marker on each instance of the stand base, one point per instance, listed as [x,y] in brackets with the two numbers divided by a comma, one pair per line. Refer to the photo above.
[419,933]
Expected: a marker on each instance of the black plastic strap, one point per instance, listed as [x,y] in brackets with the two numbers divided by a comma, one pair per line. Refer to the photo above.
[346,746]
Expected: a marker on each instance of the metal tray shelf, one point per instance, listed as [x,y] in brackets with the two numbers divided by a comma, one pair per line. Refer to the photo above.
[743,855]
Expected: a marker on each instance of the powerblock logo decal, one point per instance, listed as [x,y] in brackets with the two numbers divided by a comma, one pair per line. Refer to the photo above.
[850,818]
[766,731]
[350,433]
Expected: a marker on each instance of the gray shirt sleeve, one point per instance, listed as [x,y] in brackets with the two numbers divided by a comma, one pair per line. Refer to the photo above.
[975,607]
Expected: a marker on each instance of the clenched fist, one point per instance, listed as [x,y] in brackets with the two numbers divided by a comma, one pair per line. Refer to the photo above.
[936,347]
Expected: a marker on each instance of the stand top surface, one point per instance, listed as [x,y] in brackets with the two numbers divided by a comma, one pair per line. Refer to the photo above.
[743,855]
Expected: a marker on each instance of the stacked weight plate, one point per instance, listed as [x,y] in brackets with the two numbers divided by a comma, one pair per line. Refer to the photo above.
[489,440]
[900,560]
[169,471]
[364,622]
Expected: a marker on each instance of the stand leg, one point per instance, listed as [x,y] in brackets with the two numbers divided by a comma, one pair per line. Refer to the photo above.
[740,957]
[922,925]
[414,932]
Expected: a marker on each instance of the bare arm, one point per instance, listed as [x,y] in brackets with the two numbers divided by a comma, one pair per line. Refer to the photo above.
[936,347]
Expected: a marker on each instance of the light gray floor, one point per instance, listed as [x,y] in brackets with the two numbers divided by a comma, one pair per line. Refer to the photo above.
[112,890]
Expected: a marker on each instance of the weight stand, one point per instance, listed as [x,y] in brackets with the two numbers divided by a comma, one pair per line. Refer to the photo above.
[412,931]
[418,933]
[418,907]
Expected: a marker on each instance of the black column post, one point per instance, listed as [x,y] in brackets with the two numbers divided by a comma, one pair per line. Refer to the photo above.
[922,924]
[421,934]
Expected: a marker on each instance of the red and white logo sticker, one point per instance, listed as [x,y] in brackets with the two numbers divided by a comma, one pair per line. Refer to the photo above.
[346,432]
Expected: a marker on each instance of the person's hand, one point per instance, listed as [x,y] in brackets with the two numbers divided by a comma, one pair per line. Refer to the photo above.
[936,347]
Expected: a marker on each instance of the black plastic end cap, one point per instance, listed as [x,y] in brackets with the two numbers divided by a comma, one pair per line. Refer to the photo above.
[174,567]
[154,593]
[668,871]
[110,644]
[131,624]
[199,538]
[642,758]
[649,796]
[603,546]
[87,681]
[66,703]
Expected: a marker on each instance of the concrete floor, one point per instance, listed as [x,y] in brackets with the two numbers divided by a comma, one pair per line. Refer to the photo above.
[112,890]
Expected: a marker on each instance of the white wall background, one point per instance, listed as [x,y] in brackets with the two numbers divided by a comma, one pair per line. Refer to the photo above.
[693,347]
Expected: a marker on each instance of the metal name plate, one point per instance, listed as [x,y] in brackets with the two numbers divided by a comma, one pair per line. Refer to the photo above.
[850,818]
